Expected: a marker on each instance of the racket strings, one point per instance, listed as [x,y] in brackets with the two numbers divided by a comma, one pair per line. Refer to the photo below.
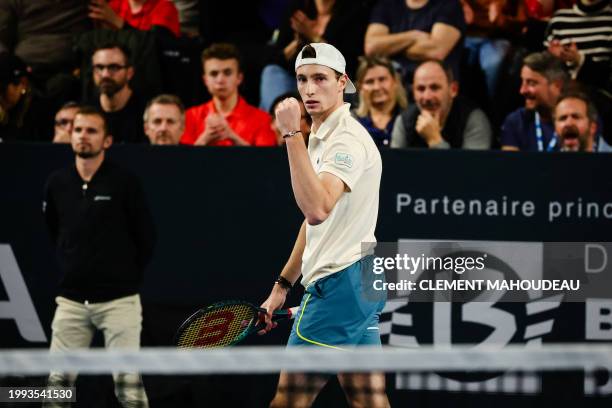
[218,327]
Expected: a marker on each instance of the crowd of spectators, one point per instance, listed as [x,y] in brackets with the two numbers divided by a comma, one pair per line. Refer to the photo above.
[519,75]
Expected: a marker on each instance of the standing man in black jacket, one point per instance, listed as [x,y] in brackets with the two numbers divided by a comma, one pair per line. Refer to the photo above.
[99,220]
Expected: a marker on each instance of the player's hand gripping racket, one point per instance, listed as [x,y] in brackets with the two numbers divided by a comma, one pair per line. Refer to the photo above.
[224,324]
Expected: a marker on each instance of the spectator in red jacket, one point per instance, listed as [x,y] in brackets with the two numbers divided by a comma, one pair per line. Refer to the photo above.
[227,119]
[138,14]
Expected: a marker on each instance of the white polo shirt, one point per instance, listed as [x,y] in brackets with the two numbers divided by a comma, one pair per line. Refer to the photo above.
[343,147]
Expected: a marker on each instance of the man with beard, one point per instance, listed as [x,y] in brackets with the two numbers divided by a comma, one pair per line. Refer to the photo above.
[530,128]
[576,123]
[112,72]
[98,218]
[164,120]
[441,119]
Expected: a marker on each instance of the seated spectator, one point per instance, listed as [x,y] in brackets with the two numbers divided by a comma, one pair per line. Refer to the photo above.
[575,119]
[441,119]
[490,26]
[139,14]
[164,120]
[227,119]
[410,31]
[538,13]
[112,71]
[23,114]
[338,22]
[382,98]
[531,128]
[305,119]
[64,118]
[582,38]
[41,32]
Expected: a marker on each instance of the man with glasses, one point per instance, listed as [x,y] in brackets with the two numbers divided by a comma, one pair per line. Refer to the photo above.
[64,119]
[112,72]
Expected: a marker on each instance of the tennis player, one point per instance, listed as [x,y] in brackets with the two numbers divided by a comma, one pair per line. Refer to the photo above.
[336,181]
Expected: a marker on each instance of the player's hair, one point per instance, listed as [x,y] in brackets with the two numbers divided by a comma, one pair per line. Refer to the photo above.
[582,96]
[547,65]
[365,64]
[127,55]
[448,72]
[222,51]
[87,110]
[165,99]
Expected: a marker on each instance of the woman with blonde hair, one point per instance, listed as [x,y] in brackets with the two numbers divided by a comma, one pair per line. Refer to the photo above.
[382,97]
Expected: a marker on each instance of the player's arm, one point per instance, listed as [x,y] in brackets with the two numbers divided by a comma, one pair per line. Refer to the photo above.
[291,272]
[316,195]
[293,267]
[436,45]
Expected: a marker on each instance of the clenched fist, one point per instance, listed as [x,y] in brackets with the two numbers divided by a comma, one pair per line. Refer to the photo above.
[288,115]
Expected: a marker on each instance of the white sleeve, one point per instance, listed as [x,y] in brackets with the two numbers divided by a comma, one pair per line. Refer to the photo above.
[345,158]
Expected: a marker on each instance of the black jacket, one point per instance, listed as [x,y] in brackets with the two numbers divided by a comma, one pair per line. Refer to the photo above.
[454,127]
[103,231]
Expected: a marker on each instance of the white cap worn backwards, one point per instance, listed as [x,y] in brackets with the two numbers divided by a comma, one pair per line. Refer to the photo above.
[329,56]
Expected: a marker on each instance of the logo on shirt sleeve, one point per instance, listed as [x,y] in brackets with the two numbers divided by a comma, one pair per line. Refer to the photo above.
[344,159]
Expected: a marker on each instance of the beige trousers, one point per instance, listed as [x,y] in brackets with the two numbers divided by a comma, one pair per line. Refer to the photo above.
[120,320]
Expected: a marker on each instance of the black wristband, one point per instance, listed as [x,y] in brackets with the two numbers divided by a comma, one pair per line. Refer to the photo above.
[284,283]
[292,133]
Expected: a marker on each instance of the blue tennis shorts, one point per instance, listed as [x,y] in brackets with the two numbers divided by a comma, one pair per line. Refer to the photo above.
[340,309]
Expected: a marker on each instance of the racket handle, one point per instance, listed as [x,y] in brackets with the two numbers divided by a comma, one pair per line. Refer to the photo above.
[285,314]
[294,311]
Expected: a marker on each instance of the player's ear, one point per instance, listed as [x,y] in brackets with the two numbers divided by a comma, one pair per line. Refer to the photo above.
[342,81]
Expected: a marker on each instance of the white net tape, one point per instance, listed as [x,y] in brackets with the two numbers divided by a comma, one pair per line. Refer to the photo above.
[258,360]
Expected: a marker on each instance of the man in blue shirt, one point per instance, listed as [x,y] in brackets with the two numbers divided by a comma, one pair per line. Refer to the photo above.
[531,128]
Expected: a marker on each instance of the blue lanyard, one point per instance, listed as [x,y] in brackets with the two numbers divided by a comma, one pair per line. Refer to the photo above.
[540,136]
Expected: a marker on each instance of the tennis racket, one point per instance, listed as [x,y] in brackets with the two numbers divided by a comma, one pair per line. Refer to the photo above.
[224,324]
